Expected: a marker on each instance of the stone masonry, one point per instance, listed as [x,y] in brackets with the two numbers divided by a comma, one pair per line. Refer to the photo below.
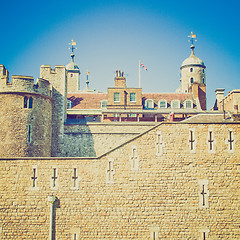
[182,188]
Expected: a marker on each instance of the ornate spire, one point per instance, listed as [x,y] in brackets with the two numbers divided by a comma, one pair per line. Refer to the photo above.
[192,40]
[72,48]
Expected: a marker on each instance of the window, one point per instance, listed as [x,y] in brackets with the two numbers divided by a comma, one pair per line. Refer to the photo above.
[134,159]
[75,233]
[159,144]
[54,179]
[132,97]
[211,141]
[203,193]
[74,236]
[162,104]
[103,103]
[192,141]
[116,97]
[30,105]
[149,103]
[188,104]
[29,137]
[204,234]
[191,79]
[230,141]
[154,233]
[203,70]
[25,103]
[203,80]
[74,179]
[191,69]
[110,171]
[175,104]
[34,179]
[69,104]
[28,102]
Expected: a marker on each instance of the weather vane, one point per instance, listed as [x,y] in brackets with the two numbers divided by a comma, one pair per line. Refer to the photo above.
[72,43]
[192,38]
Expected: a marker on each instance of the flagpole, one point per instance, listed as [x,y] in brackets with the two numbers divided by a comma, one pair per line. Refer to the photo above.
[139,80]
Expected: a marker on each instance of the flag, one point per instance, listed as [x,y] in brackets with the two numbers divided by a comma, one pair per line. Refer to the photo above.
[141,65]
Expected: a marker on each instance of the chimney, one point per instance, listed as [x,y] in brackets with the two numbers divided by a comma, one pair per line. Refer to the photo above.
[120,80]
[219,97]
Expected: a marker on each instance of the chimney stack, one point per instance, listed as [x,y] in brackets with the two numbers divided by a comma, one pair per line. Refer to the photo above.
[219,97]
[120,80]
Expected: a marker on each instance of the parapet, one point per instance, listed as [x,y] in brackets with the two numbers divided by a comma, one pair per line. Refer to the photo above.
[4,75]
[23,84]
[57,77]
[47,72]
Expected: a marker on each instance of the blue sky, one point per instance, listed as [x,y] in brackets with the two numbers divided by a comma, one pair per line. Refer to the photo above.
[114,35]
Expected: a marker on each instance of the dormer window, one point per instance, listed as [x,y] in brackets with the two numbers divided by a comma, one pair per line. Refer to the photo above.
[175,104]
[149,103]
[162,103]
[188,104]
[103,103]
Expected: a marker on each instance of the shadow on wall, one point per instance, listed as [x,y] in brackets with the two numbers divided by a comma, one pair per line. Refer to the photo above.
[75,101]
[78,141]
[57,122]
[56,205]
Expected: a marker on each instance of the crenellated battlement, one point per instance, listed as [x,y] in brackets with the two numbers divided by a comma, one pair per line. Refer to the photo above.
[4,75]
[47,72]
[24,84]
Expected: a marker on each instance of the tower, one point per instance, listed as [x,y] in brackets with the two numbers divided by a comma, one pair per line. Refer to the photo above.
[73,72]
[58,79]
[193,78]
[25,116]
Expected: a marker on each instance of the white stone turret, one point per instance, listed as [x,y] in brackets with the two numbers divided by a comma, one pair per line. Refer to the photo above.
[192,71]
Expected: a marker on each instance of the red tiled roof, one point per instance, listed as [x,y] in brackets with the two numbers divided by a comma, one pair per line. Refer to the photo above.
[167,96]
[93,100]
[87,100]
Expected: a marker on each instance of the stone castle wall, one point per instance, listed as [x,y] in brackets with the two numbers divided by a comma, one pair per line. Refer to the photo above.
[148,188]
[95,139]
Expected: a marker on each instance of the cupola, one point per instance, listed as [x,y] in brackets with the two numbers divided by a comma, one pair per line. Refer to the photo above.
[192,70]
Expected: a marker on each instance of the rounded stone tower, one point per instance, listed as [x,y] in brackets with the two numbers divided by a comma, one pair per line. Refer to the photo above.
[25,116]
[192,71]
